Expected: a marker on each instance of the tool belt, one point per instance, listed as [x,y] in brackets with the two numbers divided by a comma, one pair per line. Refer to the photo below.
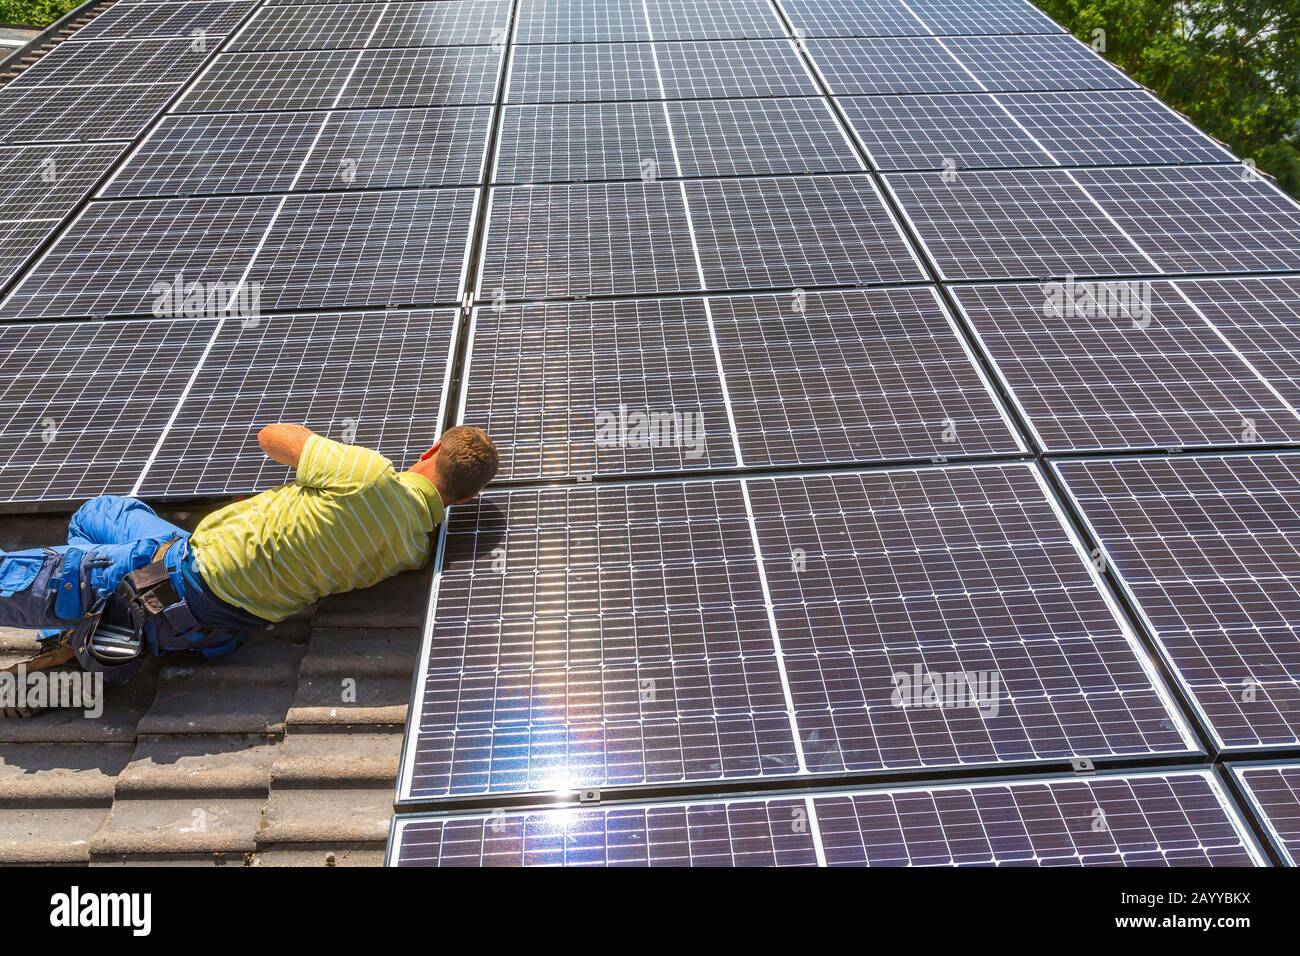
[152,601]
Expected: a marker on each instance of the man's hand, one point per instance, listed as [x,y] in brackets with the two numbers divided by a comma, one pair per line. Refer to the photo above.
[284,443]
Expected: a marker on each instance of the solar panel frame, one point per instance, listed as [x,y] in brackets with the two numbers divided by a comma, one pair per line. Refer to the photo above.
[1124,380]
[1273,796]
[1175,818]
[1236,680]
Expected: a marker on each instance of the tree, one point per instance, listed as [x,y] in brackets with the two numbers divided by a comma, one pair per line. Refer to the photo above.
[1232,66]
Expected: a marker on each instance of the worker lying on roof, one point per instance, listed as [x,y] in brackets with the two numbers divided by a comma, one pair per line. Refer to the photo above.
[128,581]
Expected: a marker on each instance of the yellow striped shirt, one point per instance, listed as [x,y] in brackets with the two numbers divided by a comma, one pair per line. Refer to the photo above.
[348,520]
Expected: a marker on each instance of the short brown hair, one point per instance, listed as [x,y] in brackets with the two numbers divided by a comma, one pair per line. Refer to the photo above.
[467,460]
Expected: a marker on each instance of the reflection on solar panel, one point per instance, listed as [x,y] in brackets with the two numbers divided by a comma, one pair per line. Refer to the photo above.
[1099,367]
[1030,224]
[1201,218]
[1175,819]
[570,389]
[1207,549]
[1274,792]
[364,377]
[628,634]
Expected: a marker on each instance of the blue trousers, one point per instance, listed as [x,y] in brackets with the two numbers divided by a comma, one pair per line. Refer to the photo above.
[108,538]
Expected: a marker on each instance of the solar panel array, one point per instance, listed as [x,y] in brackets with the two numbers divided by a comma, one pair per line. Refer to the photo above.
[835,350]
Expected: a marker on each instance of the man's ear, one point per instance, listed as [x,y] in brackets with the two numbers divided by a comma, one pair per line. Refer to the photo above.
[432,451]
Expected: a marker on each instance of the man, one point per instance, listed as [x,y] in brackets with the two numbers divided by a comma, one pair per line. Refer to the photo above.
[128,582]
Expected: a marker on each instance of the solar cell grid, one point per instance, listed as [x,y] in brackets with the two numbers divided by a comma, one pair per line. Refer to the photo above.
[450,76]
[110,258]
[1106,127]
[1274,792]
[73,420]
[311,26]
[890,65]
[581,142]
[1025,63]
[962,18]
[1206,547]
[586,239]
[580,21]
[1179,819]
[565,389]
[1201,219]
[941,571]
[758,136]
[1031,224]
[852,18]
[45,182]
[619,635]
[571,73]
[732,68]
[248,82]
[853,376]
[953,132]
[711,19]
[109,62]
[1261,318]
[1129,367]
[215,18]
[362,377]
[754,233]
[52,113]
[446,23]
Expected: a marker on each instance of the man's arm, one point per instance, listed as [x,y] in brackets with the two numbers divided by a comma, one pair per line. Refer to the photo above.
[284,443]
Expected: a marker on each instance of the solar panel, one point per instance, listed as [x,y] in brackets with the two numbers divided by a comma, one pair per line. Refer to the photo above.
[853,377]
[952,132]
[732,68]
[1026,63]
[114,61]
[1111,127]
[890,65]
[751,137]
[582,141]
[1201,218]
[711,19]
[375,25]
[349,79]
[61,113]
[571,73]
[750,233]
[1152,819]
[300,251]
[1274,794]
[216,18]
[594,239]
[598,388]
[851,18]
[1206,549]
[73,420]
[579,21]
[1261,320]
[1124,366]
[962,17]
[621,635]
[1030,224]
[45,182]
[369,378]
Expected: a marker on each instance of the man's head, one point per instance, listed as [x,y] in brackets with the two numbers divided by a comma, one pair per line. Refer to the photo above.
[460,464]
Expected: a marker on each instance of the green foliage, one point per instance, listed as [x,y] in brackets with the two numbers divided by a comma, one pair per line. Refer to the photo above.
[1233,66]
[37,13]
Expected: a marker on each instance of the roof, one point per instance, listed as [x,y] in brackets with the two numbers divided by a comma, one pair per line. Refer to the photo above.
[252,760]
